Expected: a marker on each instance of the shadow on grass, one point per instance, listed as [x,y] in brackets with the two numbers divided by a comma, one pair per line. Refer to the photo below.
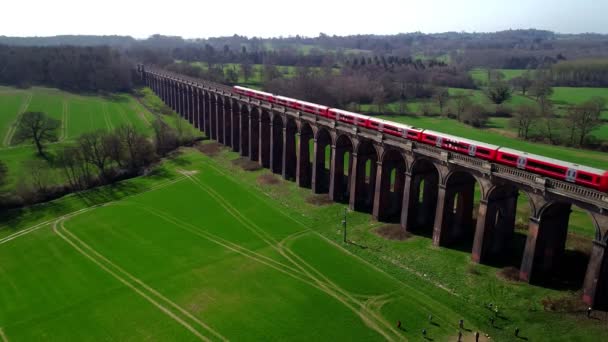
[14,217]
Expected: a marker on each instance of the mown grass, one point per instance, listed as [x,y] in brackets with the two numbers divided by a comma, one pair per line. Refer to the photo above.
[169,241]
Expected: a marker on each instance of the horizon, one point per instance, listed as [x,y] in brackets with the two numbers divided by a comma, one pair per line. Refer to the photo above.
[273,18]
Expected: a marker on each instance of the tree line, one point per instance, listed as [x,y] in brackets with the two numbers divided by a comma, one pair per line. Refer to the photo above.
[81,69]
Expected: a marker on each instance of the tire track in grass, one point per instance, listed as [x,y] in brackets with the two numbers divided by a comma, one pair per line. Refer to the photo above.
[37,226]
[123,116]
[371,319]
[315,283]
[106,116]
[106,265]
[13,127]
[3,337]
[64,120]
[429,303]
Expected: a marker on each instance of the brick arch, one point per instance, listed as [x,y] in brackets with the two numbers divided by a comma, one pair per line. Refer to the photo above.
[420,202]
[276,132]
[389,185]
[363,180]
[321,160]
[304,168]
[265,138]
[340,174]
[254,133]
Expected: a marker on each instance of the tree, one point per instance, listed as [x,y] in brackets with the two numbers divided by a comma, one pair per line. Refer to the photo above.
[74,167]
[38,128]
[476,116]
[584,119]
[95,151]
[246,70]
[541,88]
[522,82]
[139,151]
[523,118]
[441,96]
[269,73]
[498,91]
[461,103]
[165,137]
[231,76]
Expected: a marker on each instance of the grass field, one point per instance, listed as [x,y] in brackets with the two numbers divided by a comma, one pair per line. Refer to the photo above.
[78,114]
[199,249]
[229,265]
[481,75]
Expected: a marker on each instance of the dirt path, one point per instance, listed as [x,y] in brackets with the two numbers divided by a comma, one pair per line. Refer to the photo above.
[13,127]
[3,337]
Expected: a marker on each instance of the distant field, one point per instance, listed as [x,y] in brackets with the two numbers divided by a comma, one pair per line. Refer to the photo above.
[481,75]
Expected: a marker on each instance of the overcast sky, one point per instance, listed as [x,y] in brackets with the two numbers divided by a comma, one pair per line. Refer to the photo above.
[268,18]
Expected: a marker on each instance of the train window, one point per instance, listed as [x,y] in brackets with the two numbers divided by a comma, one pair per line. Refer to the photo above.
[483,151]
[545,167]
[508,157]
[585,177]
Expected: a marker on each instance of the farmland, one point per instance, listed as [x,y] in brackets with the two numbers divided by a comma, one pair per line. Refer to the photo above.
[78,114]
[202,249]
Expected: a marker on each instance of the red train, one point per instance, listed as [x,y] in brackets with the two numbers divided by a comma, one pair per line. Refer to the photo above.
[574,173]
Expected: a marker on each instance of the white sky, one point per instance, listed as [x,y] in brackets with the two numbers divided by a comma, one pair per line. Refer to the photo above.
[267,18]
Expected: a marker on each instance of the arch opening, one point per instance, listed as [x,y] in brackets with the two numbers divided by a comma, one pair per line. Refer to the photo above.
[321,162]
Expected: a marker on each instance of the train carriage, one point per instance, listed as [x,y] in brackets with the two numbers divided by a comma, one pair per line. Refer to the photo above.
[461,145]
[256,94]
[395,129]
[554,168]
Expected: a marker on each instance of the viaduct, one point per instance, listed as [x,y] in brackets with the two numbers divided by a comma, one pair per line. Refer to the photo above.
[427,189]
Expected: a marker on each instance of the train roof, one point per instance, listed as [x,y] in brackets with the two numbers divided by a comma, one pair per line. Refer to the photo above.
[553,161]
[311,104]
[345,112]
[280,97]
[396,124]
[468,141]
[253,90]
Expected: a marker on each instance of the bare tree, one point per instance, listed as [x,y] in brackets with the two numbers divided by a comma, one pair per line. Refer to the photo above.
[38,128]
[476,116]
[74,167]
[583,119]
[246,70]
[165,137]
[139,150]
[441,97]
[461,103]
[523,118]
[523,82]
[95,151]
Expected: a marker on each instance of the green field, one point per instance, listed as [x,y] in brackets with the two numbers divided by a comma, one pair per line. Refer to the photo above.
[197,250]
[481,75]
[78,114]
[230,264]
